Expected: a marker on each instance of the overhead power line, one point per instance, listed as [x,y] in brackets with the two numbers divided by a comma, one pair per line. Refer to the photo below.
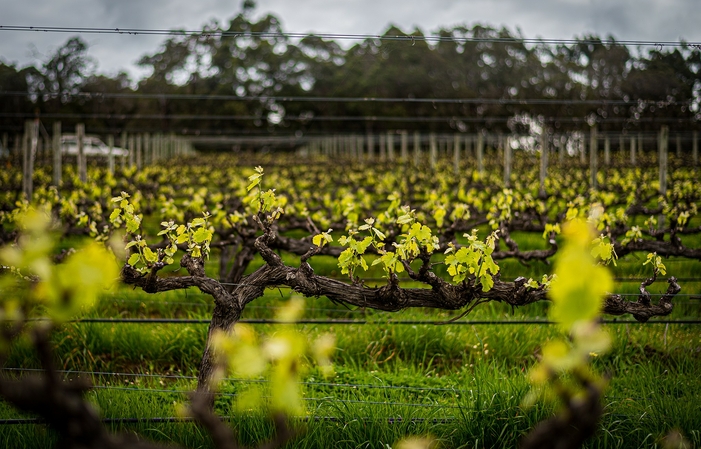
[346,36]
[335,99]
[338,118]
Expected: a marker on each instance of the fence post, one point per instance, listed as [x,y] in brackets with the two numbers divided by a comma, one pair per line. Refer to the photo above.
[433,149]
[123,145]
[17,149]
[695,148]
[404,146]
[632,150]
[663,143]
[57,153]
[390,145]
[371,146]
[469,142]
[543,161]
[110,157]
[506,145]
[593,157]
[383,147]
[29,146]
[561,146]
[417,148]
[607,150]
[456,153]
[139,156]
[480,154]
[622,147]
[582,150]
[640,144]
[82,163]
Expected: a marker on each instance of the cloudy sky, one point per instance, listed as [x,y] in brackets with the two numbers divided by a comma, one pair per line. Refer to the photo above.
[648,20]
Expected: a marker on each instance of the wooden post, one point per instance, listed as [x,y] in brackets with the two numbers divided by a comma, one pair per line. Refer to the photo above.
[147,149]
[404,146]
[662,145]
[57,154]
[433,149]
[110,157]
[582,150]
[29,147]
[506,144]
[417,148]
[593,158]
[562,146]
[139,156]
[82,162]
[17,152]
[640,144]
[622,147]
[695,148]
[456,153]
[543,161]
[390,145]
[679,145]
[123,145]
[371,146]
[607,150]
[632,150]
[383,147]
[480,154]
[130,145]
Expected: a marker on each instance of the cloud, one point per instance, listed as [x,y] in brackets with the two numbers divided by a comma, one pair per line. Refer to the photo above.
[624,19]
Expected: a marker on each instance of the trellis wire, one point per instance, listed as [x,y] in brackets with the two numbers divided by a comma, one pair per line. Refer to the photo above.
[353,322]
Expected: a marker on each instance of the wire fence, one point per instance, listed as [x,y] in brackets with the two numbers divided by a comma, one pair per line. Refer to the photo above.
[320,400]
[341,321]
[175,419]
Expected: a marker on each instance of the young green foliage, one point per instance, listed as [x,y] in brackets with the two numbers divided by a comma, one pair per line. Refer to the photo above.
[280,357]
[474,259]
[60,290]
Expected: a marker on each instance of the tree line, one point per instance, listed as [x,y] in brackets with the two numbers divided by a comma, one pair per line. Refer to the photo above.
[595,80]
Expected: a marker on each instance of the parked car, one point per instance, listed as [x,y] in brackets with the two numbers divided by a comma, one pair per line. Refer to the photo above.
[92,147]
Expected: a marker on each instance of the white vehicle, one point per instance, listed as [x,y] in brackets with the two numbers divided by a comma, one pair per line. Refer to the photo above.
[92,147]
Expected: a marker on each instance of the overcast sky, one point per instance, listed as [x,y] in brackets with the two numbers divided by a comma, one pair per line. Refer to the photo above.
[648,20]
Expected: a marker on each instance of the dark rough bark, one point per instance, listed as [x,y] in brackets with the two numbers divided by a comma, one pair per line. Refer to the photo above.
[229,305]
[573,426]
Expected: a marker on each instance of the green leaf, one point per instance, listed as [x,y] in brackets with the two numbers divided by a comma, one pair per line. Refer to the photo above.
[134,259]
[405,219]
[150,256]
[202,235]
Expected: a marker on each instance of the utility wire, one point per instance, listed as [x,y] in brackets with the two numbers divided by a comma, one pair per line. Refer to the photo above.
[345,118]
[346,36]
[334,99]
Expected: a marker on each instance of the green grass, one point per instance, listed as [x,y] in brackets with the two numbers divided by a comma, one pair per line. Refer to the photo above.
[472,376]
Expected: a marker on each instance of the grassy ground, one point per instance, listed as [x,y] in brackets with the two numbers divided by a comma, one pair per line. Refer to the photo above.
[462,383]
